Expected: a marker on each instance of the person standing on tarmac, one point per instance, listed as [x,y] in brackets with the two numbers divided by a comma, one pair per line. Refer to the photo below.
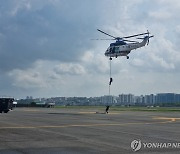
[107,109]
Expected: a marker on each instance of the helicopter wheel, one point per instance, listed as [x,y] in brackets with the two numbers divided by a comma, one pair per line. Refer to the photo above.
[127,57]
[110,58]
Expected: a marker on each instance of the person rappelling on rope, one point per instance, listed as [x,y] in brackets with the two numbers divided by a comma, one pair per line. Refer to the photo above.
[111,80]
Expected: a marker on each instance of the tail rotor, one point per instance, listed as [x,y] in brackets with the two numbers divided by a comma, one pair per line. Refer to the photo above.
[148,37]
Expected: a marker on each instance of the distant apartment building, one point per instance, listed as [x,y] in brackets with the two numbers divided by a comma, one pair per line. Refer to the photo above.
[130,99]
[177,98]
[167,98]
[108,100]
[158,98]
[126,99]
[139,100]
[149,99]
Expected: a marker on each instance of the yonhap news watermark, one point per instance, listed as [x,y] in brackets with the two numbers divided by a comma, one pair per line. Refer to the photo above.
[136,145]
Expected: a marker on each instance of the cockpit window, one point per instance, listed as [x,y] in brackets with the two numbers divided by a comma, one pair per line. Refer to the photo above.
[110,49]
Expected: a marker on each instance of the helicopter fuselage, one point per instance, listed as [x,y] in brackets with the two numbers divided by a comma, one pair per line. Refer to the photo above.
[121,48]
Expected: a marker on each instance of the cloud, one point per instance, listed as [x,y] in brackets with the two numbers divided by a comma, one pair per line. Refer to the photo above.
[69,68]
[34,77]
[39,30]
[27,79]
[66,79]
[45,46]
[160,15]
[20,5]
[95,62]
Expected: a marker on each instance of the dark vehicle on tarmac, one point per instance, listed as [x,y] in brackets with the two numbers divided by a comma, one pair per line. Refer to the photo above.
[6,104]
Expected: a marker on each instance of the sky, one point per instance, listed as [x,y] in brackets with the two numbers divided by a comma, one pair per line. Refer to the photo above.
[46,47]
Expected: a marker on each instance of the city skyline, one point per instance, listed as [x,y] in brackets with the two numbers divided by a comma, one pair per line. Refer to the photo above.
[160,99]
[46,48]
[31,97]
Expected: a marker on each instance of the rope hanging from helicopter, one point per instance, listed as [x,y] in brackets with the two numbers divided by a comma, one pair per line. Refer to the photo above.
[110,77]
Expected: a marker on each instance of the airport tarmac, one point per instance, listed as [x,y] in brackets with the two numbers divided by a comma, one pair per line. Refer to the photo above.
[88,131]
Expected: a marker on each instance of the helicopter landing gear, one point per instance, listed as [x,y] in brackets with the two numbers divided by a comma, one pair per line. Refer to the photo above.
[127,57]
[110,58]
[116,56]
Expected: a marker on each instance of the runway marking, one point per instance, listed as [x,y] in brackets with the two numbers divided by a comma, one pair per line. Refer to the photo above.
[168,120]
[66,126]
[87,112]
[98,113]
[31,110]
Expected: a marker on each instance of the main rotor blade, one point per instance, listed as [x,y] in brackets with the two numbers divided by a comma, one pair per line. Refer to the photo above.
[102,39]
[135,35]
[143,38]
[106,33]
[140,38]
[130,41]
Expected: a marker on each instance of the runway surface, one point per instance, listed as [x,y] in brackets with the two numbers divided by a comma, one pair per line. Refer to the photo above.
[71,131]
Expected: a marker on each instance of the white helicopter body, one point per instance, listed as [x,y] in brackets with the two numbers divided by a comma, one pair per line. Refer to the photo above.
[121,48]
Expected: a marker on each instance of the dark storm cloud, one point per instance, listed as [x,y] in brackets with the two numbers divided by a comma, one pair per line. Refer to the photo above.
[49,31]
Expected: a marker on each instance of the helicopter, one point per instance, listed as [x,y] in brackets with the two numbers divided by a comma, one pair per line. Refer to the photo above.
[121,47]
